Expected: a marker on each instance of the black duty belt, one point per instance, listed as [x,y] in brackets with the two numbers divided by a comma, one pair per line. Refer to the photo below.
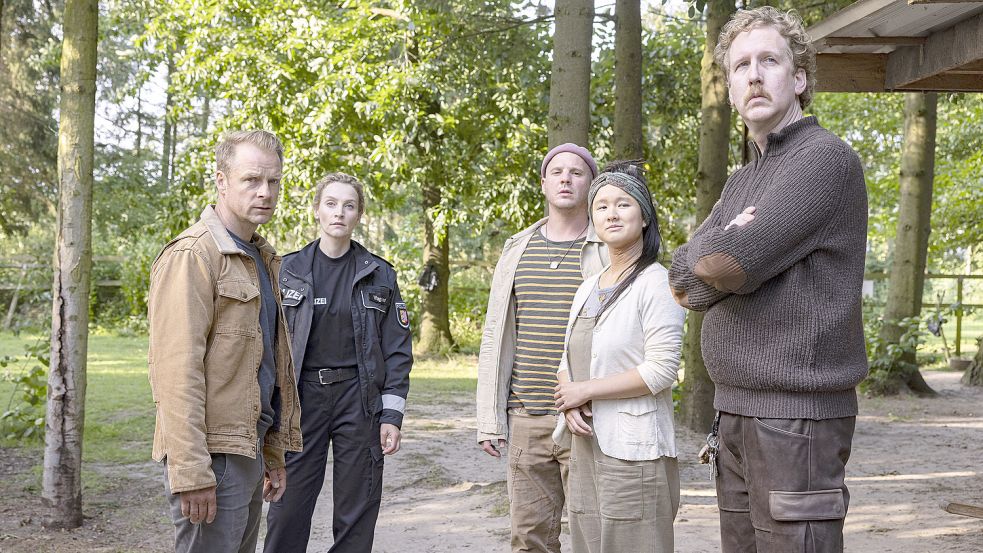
[327,376]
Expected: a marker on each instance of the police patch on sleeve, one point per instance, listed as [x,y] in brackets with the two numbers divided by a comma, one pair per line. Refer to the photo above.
[402,315]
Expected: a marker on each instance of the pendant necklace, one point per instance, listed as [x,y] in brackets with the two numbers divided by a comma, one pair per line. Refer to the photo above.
[555,264]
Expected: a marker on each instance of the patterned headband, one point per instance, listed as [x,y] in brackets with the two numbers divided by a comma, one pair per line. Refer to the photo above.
[634,187]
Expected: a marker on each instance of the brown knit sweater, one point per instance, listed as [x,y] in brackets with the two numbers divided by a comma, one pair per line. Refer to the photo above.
[783,334]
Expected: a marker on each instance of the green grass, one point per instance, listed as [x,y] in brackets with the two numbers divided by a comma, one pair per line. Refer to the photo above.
[444,374]
[119,409]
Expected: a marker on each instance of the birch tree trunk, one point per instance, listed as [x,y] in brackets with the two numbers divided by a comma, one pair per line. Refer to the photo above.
[569,115]
[62,485]
[907,278]
[166,148]
[628,80]
[697,388]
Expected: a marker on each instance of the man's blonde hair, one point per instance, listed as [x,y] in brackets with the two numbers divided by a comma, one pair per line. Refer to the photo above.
[263,140]
[342,178]
[789,25]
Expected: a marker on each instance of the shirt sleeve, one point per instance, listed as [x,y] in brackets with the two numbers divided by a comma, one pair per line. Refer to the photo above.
[397,351]
[662,324]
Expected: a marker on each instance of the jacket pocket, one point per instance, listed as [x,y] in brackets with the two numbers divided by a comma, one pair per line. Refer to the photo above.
[236,311]
[636,421]
[376,297]
[233,354]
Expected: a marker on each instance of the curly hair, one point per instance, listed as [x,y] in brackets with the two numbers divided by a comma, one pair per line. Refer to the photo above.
[341,178]
[789,25]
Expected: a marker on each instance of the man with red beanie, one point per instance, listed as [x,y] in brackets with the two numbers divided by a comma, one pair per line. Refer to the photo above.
[535,280]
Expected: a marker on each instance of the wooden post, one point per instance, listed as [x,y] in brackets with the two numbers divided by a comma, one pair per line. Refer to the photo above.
[959,314]
[13,301]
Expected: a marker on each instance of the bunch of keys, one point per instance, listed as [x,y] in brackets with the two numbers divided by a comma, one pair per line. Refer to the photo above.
[708,453]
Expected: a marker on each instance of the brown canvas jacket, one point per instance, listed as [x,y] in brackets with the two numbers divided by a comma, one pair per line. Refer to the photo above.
[206,346]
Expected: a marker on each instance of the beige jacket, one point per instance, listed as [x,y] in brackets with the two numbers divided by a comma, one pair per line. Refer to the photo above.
[643,330]
[206,346]
[498,339]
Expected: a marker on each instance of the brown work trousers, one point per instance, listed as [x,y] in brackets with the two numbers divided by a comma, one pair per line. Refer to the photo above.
[537,482]
[780,484]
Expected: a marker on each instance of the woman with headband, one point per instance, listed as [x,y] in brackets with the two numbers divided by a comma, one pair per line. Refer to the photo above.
[615,380]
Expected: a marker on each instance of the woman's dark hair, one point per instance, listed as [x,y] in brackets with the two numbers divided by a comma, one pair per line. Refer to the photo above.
[651,237]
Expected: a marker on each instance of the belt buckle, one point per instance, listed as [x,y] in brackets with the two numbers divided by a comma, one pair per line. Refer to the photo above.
[320,377]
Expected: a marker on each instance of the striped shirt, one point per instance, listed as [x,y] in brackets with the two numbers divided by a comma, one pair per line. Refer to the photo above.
[543,297]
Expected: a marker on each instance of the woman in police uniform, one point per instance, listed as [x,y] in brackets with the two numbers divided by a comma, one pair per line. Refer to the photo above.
[350,337]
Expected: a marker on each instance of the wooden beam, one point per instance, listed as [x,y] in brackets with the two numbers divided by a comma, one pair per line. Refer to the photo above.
[847,16]
[947,82]
[973,67]
[944,50]
[964,509]
[917,2]
[850,72]
[875,40]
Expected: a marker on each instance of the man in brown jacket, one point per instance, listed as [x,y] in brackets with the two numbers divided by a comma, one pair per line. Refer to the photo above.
[220,365]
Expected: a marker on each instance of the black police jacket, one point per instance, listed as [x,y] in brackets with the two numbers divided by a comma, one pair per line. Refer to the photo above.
[383,344]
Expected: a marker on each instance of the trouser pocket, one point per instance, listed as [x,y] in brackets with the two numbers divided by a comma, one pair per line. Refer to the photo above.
[805,506]
[620,491]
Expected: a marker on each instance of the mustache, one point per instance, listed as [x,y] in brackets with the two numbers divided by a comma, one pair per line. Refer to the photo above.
[755,90]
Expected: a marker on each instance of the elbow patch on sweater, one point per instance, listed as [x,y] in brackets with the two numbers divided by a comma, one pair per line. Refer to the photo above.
[722,271]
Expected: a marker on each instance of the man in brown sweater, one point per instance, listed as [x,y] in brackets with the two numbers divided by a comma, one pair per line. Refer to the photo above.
[778,267]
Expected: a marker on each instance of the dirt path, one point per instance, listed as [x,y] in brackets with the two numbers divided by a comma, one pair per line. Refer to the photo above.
[443,495]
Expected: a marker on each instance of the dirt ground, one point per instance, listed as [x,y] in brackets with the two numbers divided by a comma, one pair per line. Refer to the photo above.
[443,495]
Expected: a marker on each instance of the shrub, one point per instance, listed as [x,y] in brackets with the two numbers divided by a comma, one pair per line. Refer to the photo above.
[23,418]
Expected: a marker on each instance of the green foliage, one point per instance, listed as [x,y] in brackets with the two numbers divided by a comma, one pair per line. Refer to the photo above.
[672,50]
[890,362]
[23,418]
[29,85]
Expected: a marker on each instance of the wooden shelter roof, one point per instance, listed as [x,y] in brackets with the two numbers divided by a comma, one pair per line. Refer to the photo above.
[901,45]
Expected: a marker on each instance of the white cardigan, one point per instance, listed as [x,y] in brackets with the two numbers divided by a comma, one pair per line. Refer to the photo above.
[643,329]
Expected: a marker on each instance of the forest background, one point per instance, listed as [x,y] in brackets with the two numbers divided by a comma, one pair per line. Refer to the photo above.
[443,109]
[440,107]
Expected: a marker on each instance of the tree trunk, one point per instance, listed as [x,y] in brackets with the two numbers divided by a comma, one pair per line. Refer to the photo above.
[138,143]
[435,328]
[62,479]
[907,277]
[569,115]
[206,114]
[697,402]
[1,32]
[628,80]
[165,156]
[974,374]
